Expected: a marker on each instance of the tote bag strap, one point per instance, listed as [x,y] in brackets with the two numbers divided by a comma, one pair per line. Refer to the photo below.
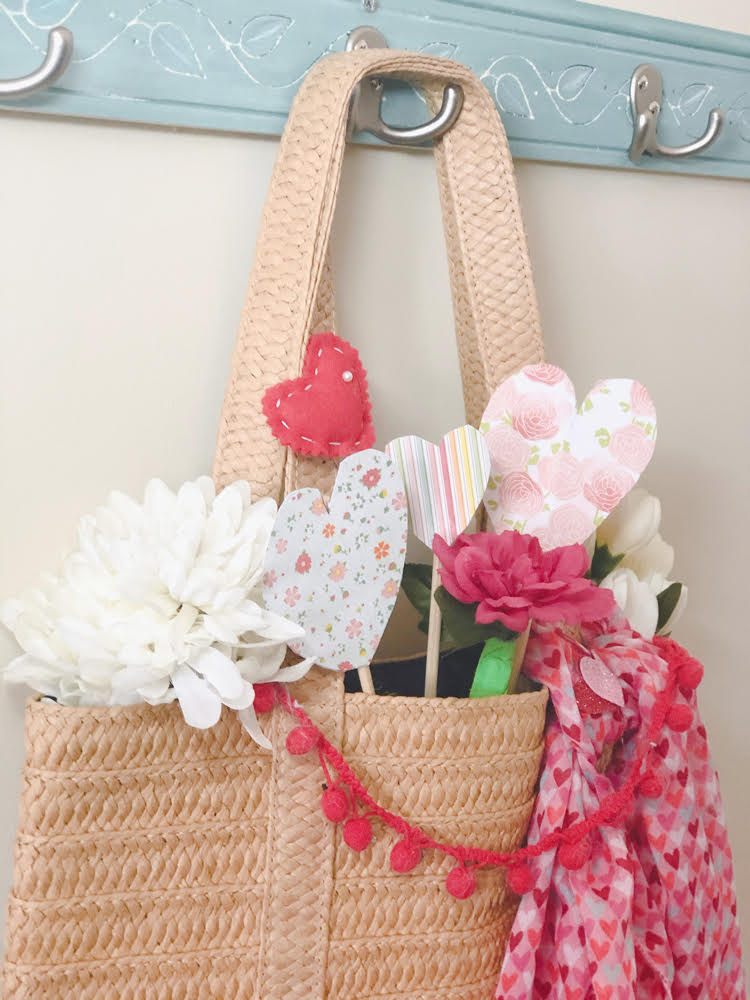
[290,294]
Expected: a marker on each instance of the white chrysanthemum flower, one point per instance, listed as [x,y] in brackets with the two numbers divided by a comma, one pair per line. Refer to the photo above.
[159,601]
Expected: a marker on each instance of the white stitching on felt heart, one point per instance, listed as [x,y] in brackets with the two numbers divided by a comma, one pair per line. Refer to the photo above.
[557,469]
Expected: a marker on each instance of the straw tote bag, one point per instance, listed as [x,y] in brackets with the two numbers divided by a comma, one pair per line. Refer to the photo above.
[154,860]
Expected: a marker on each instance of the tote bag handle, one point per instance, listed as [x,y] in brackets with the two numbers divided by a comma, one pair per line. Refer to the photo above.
[290,292]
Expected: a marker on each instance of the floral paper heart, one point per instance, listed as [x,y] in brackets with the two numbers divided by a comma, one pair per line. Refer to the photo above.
[444,483]
[336,570]
[557,469]
[326,411]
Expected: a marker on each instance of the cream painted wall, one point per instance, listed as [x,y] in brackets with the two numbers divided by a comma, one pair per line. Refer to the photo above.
[123,260]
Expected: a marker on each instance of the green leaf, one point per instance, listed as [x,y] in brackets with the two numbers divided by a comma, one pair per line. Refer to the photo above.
[588,404]
[417,584]
[625,407]
[555,447]
[667,601]
[460,624]
[603,437]
[534,460]
[566,445]
[603,563]
[484,427]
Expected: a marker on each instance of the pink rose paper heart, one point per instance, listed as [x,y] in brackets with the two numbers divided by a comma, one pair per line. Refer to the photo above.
[559,469]
[336,570]
[444,483]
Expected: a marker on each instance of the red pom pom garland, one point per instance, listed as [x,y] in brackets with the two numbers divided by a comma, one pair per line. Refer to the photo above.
[265,698]
[335,805]
[344,792]
[358,833]
[461,882]
[405,857]
[302,739]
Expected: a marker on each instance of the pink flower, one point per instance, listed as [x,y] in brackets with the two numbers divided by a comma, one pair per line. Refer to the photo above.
[641,401]
[606,485]
[337,571]
[546,373]
[281,545]
[318,507]
[269,578]
[371,477]
[519,494]
[535,417]
[508,450]
[562,475]
[512,581]
[503,400]
[568,525]
[632,447]
[303,564]
[292,596]
[381,550]
[390,589]
[346,665]
[399,501]
[354,628]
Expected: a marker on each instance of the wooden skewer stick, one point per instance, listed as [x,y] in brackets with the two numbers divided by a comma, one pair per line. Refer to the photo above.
[518,654]
[365,679]
[433,637]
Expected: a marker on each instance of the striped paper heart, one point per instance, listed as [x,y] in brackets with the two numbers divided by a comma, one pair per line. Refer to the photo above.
[444,483]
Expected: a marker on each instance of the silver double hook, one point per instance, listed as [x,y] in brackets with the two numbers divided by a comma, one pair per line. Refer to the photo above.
[365,107]
[56,61]
[646,95]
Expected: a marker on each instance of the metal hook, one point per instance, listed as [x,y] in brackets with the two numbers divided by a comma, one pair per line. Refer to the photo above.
[646,89]
[59,53]
[364,109]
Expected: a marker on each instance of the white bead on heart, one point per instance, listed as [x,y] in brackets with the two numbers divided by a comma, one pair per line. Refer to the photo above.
[558,469]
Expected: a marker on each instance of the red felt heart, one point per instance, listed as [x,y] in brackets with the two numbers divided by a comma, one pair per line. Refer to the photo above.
[326,411]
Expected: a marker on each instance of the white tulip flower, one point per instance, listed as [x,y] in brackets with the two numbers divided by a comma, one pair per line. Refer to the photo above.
[632,525]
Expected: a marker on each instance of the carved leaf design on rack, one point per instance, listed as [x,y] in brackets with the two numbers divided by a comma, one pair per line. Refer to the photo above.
[511,97]
[572,80]
[173,50]
[262,34]
[217,63]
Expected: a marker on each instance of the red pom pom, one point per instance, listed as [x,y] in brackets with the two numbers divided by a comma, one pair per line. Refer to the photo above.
[357,833]
[650,785]
[461,882]
[302,740]
[690,674]
[680,718]
[575,856]
[265,698]
[405,857]
[519,879]
[335,805]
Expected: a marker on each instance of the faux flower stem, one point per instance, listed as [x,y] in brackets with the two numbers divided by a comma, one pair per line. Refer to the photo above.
[499,666]
[494,668]
[433,637]
[518,654]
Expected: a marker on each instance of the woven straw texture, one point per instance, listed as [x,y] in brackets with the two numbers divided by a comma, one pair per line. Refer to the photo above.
[157,862]
[152,858]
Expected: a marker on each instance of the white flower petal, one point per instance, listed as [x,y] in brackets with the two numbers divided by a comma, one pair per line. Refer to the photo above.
[200,704]
[220,672]
[655,557]
[249,720]
[635,599]
[632,524]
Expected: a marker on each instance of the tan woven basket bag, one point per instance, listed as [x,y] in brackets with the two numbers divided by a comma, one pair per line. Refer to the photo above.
[158,861]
